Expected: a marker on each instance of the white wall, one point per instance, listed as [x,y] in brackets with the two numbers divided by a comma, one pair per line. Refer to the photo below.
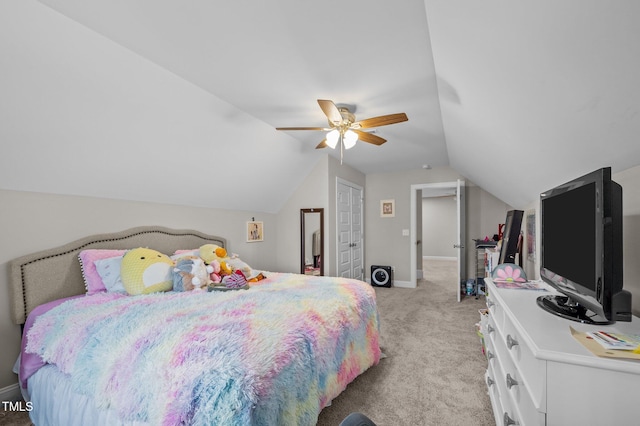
[121,126]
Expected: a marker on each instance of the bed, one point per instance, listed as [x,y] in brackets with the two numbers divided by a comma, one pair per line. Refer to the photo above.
[275,352]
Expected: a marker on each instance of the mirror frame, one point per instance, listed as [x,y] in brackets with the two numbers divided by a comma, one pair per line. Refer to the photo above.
[302,239]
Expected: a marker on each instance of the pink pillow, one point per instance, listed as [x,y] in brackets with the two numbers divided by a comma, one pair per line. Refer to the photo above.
[195,251]
[88,258]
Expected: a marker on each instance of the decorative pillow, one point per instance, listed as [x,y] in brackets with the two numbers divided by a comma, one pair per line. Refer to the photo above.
[185,251]
[509,272]
[145,271]
[88,258]
[181,254]
[109,271]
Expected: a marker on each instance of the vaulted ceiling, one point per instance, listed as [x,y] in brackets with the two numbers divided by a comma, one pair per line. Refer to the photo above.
[139,99]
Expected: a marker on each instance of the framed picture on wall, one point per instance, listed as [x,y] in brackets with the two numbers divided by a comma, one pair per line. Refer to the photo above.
[387,208]
[255,231]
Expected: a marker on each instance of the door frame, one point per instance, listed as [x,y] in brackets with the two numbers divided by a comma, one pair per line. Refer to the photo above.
[413,238]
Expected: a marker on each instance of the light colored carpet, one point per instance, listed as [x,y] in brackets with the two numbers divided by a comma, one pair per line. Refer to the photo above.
[14,418]
[434,370]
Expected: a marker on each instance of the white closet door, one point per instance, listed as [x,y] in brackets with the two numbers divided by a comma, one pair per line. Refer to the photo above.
[356,234]
[349,221]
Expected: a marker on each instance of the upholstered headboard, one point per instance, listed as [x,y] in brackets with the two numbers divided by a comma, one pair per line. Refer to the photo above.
[55,273]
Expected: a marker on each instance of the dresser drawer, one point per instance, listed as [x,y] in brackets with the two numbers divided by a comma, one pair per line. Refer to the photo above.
[490,332]
[496,311]
[494,394]
[504,409]
[531,371]
[523,406]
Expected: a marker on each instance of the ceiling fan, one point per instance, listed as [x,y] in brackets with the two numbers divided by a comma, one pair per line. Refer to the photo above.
[344,129]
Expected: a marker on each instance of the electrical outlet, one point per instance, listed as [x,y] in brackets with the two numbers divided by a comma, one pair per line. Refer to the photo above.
[405,232]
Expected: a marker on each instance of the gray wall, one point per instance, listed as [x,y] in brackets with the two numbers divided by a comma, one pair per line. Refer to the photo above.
[312,193]
[384,242]
[630,182]
[439,227]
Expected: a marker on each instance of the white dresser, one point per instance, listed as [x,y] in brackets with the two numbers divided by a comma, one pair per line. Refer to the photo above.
[539,374]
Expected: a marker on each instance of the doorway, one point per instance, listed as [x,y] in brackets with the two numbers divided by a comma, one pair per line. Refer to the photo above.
[456,189]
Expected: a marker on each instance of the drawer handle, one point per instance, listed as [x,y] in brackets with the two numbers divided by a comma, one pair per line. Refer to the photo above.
[490,303]
[511,381]
[508,421]
[511,342]
[490,329]
[490,381]
[490,355]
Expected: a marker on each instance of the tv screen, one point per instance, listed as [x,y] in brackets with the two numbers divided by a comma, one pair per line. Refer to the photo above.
[582,250]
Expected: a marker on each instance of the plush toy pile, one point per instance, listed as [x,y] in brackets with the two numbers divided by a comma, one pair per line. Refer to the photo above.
[145,271]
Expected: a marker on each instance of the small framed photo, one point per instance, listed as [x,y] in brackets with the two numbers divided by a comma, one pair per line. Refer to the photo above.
[255,232]
[387,208]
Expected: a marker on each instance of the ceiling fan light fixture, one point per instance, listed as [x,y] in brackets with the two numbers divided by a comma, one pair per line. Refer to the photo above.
[345,130]
[332,138]
[350,139]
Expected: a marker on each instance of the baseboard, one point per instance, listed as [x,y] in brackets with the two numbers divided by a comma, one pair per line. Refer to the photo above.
[11,393]
[403,284]
[439,258]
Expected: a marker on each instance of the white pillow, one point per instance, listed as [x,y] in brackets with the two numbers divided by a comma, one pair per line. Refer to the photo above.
[109,271]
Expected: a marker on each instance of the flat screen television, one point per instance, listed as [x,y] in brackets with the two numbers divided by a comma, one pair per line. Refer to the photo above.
[581,251]
[510,237]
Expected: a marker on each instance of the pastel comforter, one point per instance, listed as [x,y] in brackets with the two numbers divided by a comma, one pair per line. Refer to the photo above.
[275,354]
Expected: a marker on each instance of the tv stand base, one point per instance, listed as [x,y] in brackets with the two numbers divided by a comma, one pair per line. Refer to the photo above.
[559,305]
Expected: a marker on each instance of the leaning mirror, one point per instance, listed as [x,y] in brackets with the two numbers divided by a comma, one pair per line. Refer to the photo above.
[312,241]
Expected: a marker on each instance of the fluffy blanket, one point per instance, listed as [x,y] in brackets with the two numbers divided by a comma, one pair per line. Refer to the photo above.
[275,354]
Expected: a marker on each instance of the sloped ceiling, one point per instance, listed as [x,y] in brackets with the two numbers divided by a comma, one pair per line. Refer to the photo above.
[139,99]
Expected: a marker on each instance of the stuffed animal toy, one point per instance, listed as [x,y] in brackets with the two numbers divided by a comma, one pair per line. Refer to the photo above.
[211,252]
[215,276]
[257,278]
[190,273]
[146,271]
[235,280]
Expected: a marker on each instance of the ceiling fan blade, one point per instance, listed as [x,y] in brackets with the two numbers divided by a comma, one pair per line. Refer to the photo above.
[302,128]
[383,120]
[322,144]
[330,110]
[370,138]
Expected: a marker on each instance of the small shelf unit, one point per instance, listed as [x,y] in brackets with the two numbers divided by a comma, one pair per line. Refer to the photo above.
[486,259]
